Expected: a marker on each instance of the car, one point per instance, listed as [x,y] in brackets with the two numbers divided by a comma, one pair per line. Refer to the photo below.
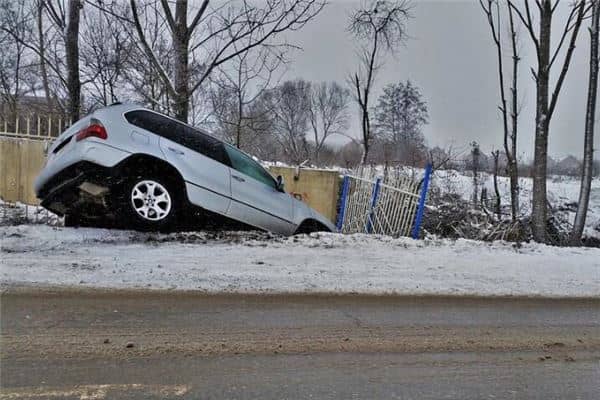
[148,171]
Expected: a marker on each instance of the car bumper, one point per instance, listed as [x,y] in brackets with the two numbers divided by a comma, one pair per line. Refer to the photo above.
[90,151]
[70,189]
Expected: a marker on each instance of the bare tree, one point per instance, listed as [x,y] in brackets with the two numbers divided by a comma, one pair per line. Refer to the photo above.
[34,35]
[475,165]
[237,86]
[58,49]
[65,18]
[140,72]
[512,162]
[71,29]
[216,35]
[492,11]
[588,147]
[104,53]
[13,57]
[328,113]
[380,26]
[290,105]
[546,102]
[497,201]
[41,45]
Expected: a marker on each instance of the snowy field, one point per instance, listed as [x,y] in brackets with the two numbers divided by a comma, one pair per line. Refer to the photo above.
[252,262]
[563,193]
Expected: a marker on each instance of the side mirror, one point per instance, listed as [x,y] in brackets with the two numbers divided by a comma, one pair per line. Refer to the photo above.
[280,183]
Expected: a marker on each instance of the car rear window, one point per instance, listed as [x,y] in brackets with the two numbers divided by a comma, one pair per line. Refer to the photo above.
[179,133]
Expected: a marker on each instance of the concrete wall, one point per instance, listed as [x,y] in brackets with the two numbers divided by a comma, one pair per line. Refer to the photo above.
[22,159]
[20,162]
[318,188]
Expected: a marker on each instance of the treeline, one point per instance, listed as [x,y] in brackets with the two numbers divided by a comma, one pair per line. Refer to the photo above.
[566,166]
[294,122]
[213,64]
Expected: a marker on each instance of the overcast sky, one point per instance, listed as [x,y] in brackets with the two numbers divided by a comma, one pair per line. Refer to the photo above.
[450,56]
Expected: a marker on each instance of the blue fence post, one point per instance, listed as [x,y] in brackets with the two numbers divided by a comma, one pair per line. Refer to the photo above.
[421,209]
[374,197]
[343,200]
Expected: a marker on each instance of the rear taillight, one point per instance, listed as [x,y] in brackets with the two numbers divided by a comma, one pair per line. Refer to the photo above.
[94,129]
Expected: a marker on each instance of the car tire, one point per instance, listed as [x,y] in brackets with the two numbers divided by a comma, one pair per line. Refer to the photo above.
[149,203]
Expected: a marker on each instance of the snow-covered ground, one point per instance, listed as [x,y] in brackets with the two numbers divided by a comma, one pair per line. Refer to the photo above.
[19,213]
[562,191]
[252,262]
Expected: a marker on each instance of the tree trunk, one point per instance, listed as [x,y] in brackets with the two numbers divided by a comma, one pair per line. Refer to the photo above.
[240,109]
[180,42]
[366,135]
[588,147]
[475,170]
[511,154]
[539,202]
[43,70]
[72,59]
[497,208]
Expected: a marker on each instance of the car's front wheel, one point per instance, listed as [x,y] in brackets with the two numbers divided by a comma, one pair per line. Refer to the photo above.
[150,203]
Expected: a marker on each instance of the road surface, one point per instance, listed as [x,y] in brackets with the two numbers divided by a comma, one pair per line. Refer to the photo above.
[92,344]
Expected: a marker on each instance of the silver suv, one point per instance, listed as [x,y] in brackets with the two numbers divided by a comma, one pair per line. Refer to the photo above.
[144,169]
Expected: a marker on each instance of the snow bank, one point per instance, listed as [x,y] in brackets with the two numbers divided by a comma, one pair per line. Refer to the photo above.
[252,262]
[19,213]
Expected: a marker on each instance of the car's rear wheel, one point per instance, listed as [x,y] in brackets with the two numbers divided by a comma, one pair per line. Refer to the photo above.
[150,203]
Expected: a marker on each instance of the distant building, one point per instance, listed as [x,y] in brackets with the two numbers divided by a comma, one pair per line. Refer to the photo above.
[32,116]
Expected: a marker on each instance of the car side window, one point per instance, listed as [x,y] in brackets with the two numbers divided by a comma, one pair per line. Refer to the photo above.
[153,122]
[179,133]
[203,144]
[246,165]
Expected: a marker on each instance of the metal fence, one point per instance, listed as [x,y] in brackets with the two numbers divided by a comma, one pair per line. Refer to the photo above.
[388,205]
[33,126]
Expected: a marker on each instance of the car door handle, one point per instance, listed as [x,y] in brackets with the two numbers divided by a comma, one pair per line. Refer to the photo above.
[179,152]
[238,178]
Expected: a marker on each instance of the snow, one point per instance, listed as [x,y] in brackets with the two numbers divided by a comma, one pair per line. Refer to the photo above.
[254,262]
[562,190]
[19,213]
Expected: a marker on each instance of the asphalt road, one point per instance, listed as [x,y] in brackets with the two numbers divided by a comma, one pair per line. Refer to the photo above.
[141,345]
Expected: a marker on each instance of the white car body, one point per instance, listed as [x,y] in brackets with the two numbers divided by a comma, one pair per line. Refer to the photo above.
[215,176]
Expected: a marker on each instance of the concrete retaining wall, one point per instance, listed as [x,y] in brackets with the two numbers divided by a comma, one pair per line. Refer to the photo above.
[318,188]
[20,162]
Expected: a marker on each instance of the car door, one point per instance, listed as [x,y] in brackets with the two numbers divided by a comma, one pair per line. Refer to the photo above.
[201,160]
[255,198]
